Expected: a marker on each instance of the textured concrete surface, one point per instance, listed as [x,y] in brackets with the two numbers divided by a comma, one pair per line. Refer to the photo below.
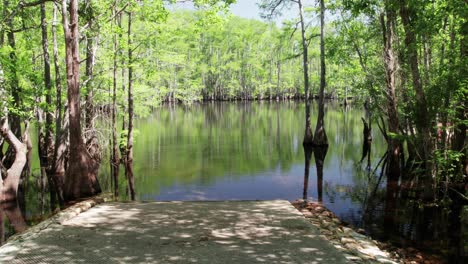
[178,232]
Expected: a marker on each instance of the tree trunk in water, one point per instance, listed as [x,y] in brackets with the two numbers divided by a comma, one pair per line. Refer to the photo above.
[367,142]
[308,136]
[9,186]
[129,164]
[423,124]
[320,137]
[81,180]
[115,163]
[390,64]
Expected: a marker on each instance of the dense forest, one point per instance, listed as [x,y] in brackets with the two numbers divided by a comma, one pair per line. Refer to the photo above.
[66,64]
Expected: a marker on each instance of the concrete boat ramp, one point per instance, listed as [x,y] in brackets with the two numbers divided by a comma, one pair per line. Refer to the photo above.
[177,232]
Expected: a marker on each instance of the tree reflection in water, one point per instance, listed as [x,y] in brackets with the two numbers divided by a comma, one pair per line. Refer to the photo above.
[319,154]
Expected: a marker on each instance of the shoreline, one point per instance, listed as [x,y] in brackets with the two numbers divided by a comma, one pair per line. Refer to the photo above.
[361,247]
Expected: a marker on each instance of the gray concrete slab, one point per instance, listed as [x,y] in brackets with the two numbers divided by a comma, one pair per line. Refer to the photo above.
[179,232]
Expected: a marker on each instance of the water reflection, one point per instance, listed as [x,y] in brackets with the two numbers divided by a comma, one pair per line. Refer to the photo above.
[238,151]
[307,158]
[253,151]
[319,154]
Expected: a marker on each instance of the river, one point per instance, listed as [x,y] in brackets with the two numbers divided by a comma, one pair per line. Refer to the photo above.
[253,151]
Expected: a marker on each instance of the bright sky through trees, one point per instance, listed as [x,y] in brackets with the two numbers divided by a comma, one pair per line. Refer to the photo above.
[249,9]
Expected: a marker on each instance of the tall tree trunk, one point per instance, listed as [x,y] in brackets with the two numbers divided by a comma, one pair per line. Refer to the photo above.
[91,48]
[57,169]
[423,124]
[122,147]
[90,54]
[390,64]
[129,165]
[81,180]
[308,136]
[320,137]
[115,164]
[92,143]
[47,148]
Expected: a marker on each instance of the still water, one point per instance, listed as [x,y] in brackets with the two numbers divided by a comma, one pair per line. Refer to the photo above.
[250,151]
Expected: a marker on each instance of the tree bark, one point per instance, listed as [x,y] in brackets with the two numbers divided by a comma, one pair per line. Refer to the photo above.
[92,143]
[91,47]
[46,142]
[115,163]
[423,124]
[320,137]
[81,180]
[390,64]
[308,136]
[24,179]
[129,164]
[57,169]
